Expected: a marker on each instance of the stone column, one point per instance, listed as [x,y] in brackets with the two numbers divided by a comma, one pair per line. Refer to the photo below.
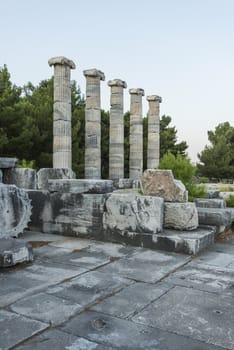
[62,150]
[153,148]
[136,134]
[116,150]
[93,124]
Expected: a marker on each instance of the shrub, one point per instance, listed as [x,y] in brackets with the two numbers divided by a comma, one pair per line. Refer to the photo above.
[23,163]
[230,200]
[183,170]
[225,188]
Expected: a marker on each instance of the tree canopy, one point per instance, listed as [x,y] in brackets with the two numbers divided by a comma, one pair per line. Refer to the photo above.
[217,159]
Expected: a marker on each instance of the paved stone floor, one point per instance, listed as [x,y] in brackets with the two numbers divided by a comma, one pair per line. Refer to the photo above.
[82,294]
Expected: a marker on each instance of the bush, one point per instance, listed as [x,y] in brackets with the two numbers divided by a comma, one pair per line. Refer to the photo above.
[203,180]
[183,170]
[230,200]
[225,188]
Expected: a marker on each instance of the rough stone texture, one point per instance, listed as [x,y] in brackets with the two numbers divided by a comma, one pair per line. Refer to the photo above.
[180,216]
[136,134]
[212,194]
[161,183]
[133,213]
[200,315]
[209,203]
[45,174]
[80,186]
[62,152]
[41,209]
[124,183]
[1,175]
[15,210]
[6,163]
[13,252]
[75,214]
[23,178]
[153,146]
[187,242]
[116,143]
[214,216]
[93,124]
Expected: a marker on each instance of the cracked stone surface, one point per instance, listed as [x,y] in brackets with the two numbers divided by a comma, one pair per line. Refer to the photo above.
[83,294]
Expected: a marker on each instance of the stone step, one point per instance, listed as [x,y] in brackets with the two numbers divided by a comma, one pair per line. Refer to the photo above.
[188,242]
[80,186]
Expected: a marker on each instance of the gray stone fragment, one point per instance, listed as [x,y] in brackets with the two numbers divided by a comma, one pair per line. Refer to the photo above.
[80,186]
[45,174]
[1,175]
[16,328]
[13,252]
[210,203]
[212,194]
[15,211]
[23,178]
[161,183]
[180,216]
[214,216]
[123,183]
[6,163]
[134,213]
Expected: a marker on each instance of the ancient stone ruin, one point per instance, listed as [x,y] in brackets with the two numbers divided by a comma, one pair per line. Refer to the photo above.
[54,201]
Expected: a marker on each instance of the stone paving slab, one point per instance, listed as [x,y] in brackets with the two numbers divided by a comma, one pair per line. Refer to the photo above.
[16,328]
[131,299]
[46,308]
[123,334]
[220,260]
[200,315]
[147,266]
[25,281]
[90,287]
[55,339]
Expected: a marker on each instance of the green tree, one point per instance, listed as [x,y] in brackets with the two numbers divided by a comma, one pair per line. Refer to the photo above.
[168,138]
[217,159]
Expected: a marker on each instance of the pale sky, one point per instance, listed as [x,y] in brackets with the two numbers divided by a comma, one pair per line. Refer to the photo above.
[182,50]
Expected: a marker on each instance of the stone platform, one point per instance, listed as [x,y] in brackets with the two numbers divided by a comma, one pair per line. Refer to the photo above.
[84,294]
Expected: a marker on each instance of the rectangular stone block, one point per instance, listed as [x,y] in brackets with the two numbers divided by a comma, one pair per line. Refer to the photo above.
[134,213]
[6,163]
[22,177]
[210,203]
[214,217]
[180,216]
[75,214]
[80,186]
[44,174]
[41,209]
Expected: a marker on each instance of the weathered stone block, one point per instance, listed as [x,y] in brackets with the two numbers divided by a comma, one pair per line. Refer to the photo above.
[15,210]
[214,217]
[209,203]
[45,174]
[22,178]
[80,186]
[123,183]
[161,183]
[1,175]
[75,214]
[13,252]
[6,163]
[41,209]
[181,216]
[134,213]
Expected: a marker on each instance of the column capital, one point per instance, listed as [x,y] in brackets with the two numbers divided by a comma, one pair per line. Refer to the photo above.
[137,92]
[154,98]
[117,82]
[94,73]
[61,60]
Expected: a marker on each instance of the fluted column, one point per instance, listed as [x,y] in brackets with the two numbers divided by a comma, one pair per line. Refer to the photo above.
[93,124]
[116,144]
[136,134]
[153,148]
[62,150]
